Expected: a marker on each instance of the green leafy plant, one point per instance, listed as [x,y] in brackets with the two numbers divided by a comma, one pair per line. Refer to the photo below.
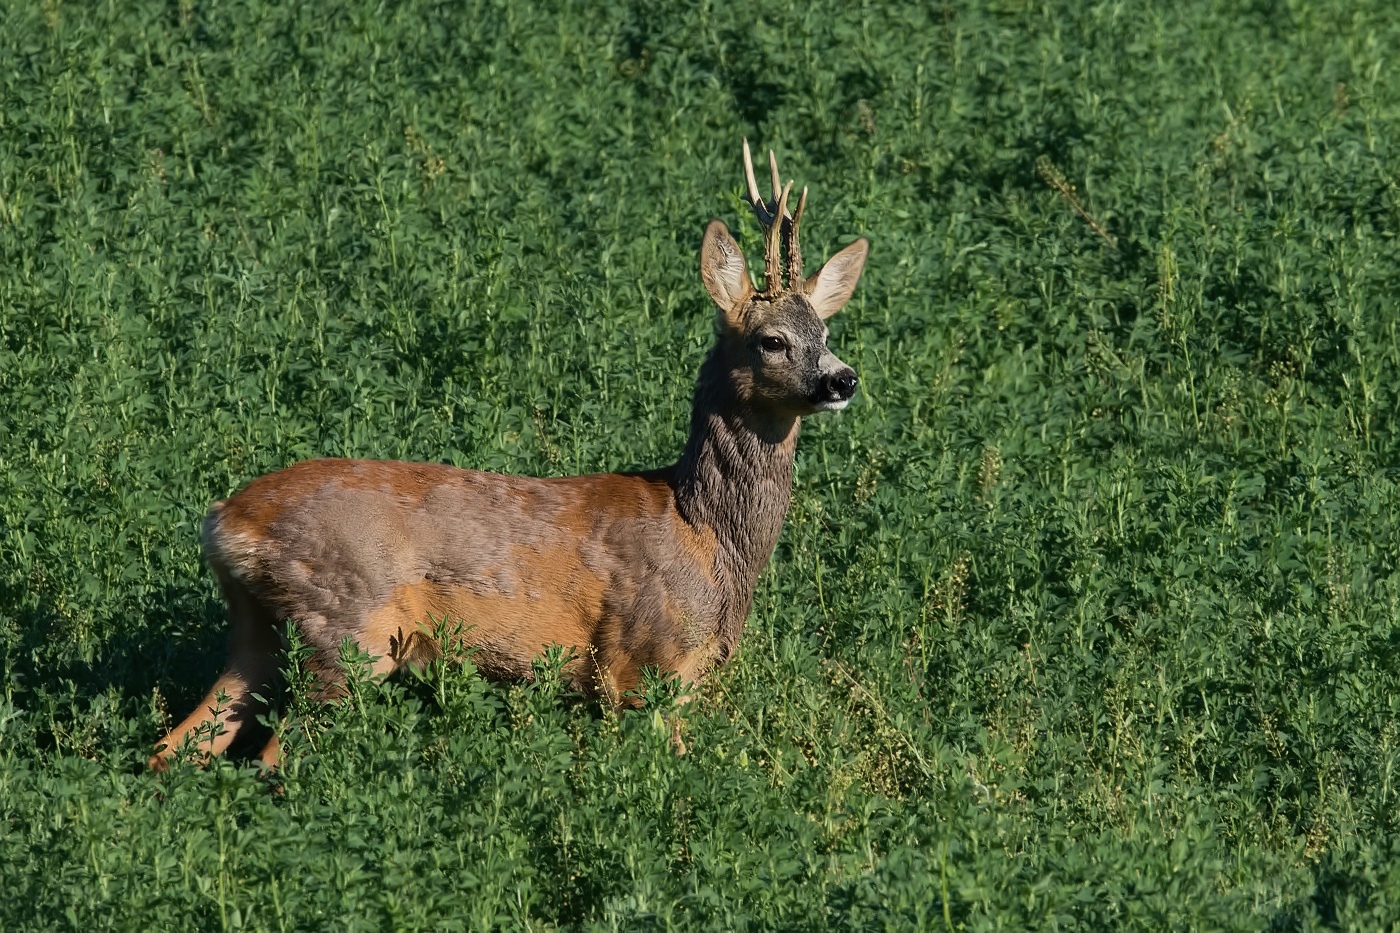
[1084,613]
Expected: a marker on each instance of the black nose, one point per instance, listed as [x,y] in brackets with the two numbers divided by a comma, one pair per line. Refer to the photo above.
[841,386]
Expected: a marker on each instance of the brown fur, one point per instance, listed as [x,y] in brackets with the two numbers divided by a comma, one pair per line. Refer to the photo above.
[626,570]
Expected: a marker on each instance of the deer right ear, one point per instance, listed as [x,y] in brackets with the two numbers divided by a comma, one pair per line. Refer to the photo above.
[724,271]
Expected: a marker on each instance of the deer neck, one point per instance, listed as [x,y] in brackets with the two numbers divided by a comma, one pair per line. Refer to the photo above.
[735,477]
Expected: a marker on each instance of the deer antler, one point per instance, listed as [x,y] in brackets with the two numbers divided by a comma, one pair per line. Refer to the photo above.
[778,225]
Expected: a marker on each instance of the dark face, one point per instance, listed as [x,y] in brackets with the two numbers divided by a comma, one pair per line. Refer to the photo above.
[780,359]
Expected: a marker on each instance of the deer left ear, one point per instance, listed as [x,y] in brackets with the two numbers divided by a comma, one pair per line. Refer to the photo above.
[831,286]
[724,271]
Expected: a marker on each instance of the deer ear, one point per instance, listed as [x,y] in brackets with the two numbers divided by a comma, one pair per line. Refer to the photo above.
[724,271]
[831,286]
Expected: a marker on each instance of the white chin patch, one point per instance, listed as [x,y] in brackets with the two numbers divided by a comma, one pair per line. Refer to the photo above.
[833,406]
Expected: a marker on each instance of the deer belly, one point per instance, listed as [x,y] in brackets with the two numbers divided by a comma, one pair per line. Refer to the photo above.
[504,632]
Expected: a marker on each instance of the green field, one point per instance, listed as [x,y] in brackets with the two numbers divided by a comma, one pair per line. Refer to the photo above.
[1087,610]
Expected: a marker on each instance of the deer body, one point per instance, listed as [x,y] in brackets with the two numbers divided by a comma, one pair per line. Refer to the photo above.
[626,570]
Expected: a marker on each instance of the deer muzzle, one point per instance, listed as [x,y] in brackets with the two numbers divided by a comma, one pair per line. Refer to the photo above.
[835,389]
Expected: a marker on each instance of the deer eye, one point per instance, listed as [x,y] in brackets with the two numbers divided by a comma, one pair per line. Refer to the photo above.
[773,344]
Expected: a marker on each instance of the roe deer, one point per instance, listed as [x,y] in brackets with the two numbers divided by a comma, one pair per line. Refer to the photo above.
[626,569]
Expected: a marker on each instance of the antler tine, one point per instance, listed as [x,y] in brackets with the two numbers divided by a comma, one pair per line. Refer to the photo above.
[795,251]
[765,217]
[755,198]
[773,172]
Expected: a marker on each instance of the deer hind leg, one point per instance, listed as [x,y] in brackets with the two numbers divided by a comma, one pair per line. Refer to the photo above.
[255,649]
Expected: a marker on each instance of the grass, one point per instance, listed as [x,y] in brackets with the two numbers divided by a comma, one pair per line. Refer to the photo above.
[1085,612]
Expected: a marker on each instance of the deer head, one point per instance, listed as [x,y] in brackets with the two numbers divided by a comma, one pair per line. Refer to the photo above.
[773,341]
